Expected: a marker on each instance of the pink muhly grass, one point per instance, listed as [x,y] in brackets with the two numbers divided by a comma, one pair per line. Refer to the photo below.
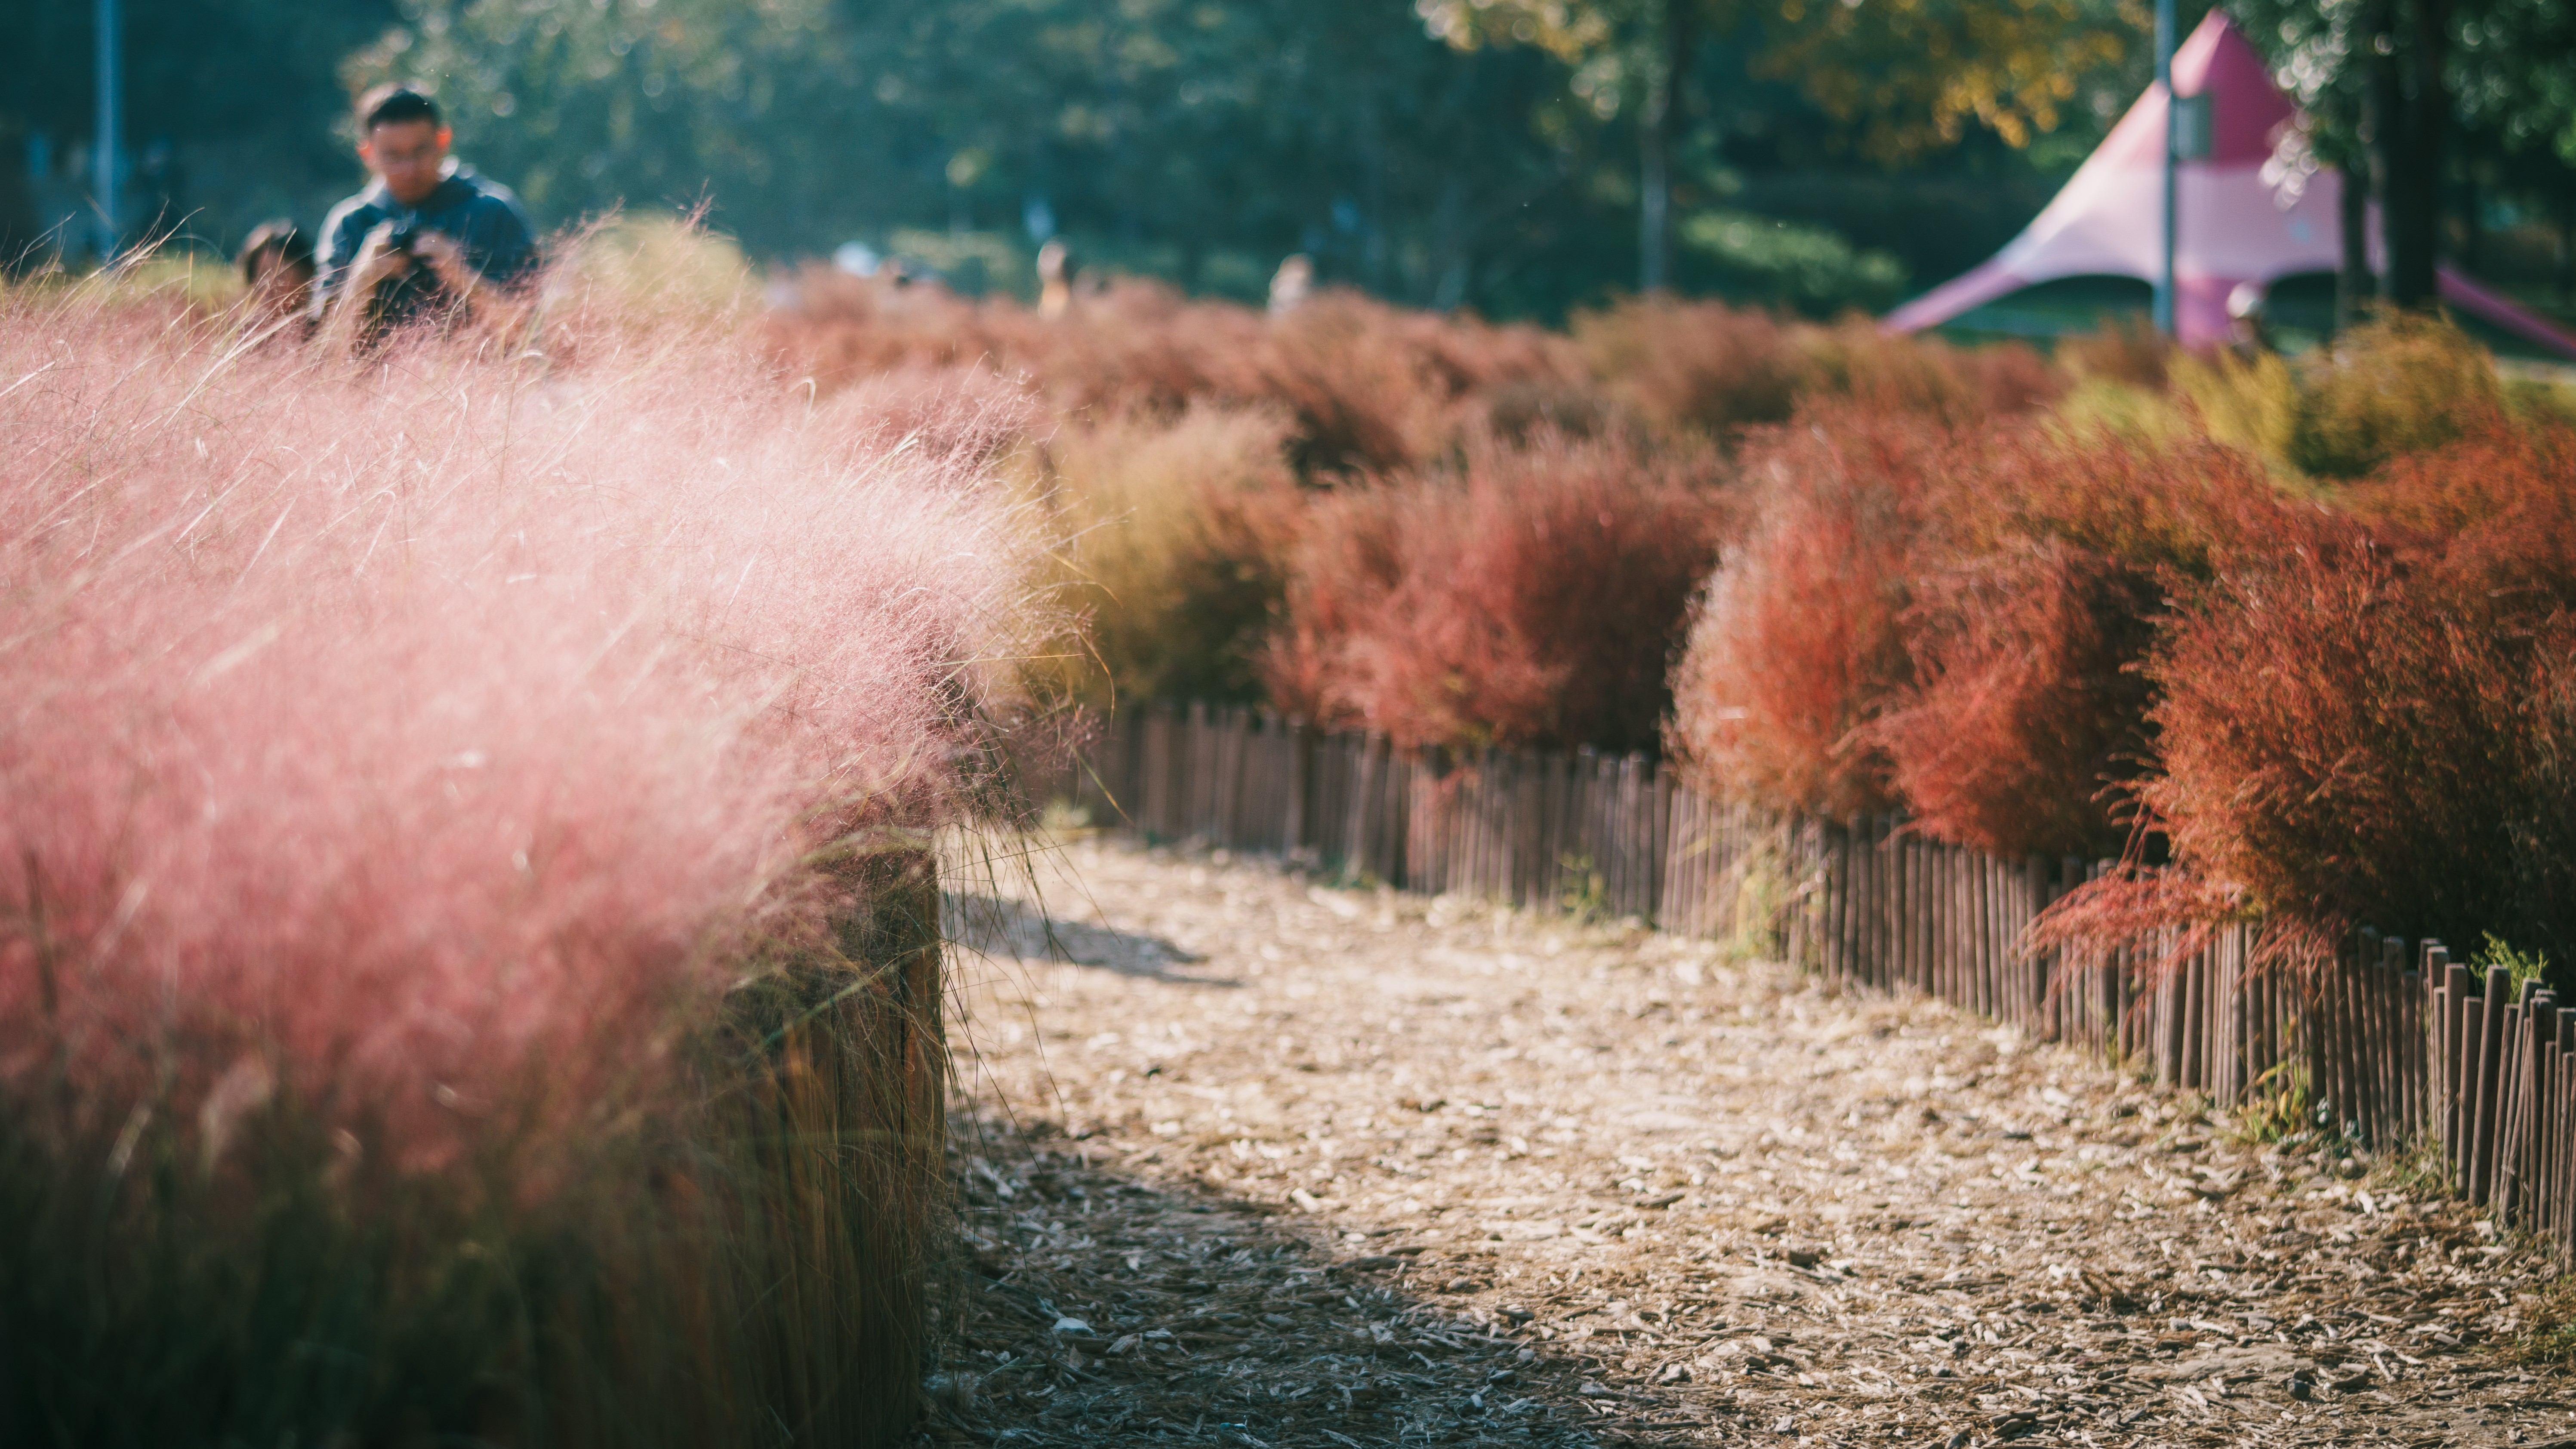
[437,734]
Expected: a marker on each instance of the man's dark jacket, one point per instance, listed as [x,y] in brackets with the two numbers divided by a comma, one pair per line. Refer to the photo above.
[483,218]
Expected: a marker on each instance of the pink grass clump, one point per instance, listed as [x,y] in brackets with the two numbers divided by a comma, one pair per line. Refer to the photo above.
[432,738]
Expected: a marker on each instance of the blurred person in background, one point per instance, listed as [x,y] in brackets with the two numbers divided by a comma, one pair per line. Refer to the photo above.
[428,239]
[277,267]
[1055,279]
[2249,324]
[1291,284]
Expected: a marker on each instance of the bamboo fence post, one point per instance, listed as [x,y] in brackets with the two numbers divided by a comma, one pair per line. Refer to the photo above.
[2537,1146]
[1395,798]
[1992,1002]
[2386,1061]
[1952,974]
[1793,855]
[1516,830]
[1293,829]
[2501,1186]
[2168,1038]
[2194,997]
[2564,1224]
[1892,901]
[1902,967]
[1195,772]
[1603,824]
[2464,1160]
[2410,1051]
[2365,1038]
[1659,831]
[2034,899]
[2491,1020]
[2347,1030]
[1981,906]
[2367,1058]
[1873,884]
[2356,1042]
[2392,1042]
[1677,907]
[2082,994]
[2514,1151]
[1358,818]
[1847,909]
[2455,985]
[1628,895]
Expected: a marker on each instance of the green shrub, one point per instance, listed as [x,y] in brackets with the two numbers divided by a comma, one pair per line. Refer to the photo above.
[2392,387]
[1812,268]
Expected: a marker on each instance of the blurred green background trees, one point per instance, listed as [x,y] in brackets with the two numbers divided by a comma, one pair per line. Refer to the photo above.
[1518,156]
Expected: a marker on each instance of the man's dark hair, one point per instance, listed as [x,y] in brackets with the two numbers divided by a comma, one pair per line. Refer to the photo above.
[280,239]
[393,105]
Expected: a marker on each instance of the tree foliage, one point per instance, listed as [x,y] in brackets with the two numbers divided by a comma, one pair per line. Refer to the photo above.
[1914,74]
[1910,75]
[1518,156]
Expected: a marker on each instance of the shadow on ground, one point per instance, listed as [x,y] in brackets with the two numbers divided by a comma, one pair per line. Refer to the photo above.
[1002,929]
[1094,1308]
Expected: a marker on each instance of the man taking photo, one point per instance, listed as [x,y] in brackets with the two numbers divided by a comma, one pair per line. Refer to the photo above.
[429,239]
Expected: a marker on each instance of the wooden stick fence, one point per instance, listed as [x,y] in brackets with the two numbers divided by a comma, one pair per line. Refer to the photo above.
[2395,1043]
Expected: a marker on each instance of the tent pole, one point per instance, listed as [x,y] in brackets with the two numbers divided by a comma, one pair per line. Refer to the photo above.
[2164,77]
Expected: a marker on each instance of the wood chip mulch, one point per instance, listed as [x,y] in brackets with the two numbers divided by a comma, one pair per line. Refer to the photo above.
[1252,1160]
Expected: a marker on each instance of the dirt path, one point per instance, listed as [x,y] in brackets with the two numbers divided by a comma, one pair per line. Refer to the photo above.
[1273,1164]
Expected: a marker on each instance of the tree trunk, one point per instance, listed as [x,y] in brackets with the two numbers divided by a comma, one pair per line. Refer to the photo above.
[2383,120]
[2354,283]
[2566,243]
[2413,106]
[2472,241]
[1666,75]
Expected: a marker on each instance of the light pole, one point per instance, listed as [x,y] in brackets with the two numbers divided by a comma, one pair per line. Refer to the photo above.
[107,98]
[2173,115]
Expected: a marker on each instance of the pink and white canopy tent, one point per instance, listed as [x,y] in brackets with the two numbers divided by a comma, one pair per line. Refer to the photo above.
[2242,220]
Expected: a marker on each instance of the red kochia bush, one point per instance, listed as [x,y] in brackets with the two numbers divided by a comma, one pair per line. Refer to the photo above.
[2024,710]
[1370,387]
[1799,639]
[2355,741]
[1531,598]
[430,740]
[1959,387]
[2494,512]
[1948,621]
[1695,366]
[2036,588]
